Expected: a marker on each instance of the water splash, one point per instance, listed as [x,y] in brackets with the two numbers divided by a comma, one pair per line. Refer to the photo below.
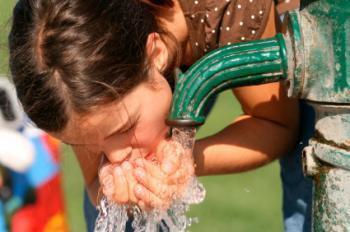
[113,217]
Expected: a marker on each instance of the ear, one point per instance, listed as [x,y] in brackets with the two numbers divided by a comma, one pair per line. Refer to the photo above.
[157,51]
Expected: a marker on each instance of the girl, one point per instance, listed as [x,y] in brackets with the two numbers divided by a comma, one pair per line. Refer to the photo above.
[97,75]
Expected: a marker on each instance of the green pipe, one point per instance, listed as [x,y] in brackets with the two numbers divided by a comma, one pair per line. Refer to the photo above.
[244,64]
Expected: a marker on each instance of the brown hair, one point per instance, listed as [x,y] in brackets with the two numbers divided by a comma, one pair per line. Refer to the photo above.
[77,54]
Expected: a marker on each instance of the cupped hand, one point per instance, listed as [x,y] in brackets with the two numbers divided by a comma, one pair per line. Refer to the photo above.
[118,182]
[154,182]
[159,184]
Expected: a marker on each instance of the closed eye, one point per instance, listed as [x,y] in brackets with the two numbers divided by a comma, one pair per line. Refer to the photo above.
[128,129]
[124,130]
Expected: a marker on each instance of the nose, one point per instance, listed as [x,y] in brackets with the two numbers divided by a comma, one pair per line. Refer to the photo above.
[118,155]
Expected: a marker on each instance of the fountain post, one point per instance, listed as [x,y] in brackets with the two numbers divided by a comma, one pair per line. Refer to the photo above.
[313,56]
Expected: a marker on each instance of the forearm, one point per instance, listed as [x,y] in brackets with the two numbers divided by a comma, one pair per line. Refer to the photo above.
[246,144]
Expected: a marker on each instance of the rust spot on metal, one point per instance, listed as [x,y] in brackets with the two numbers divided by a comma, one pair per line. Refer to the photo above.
[324,168]
[319,138]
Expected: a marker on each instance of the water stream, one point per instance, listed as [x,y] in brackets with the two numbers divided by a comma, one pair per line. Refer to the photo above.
[113,217]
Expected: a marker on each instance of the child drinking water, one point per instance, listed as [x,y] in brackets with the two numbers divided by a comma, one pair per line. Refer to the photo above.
[98,75]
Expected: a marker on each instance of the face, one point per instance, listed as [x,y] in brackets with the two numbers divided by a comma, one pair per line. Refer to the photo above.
[132,127]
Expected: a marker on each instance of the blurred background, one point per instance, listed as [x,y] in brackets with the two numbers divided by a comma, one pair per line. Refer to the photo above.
[239,202]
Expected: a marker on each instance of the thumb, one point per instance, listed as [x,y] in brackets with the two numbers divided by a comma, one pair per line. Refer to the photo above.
[171,154]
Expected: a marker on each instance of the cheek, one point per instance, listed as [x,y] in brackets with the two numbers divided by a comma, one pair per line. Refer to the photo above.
[149,137]
[151,133]
[152,129]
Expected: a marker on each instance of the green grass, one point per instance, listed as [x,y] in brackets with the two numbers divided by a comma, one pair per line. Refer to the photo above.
[5,16]
[245,202]
[239,202]
[73,189]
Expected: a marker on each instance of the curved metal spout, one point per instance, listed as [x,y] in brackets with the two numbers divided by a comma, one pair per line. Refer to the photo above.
[244,64]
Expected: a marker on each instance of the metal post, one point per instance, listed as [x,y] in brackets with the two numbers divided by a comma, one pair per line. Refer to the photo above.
[321,51]
[314,55]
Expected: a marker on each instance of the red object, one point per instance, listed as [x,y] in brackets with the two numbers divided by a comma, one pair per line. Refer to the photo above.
[46,215]
[52,145]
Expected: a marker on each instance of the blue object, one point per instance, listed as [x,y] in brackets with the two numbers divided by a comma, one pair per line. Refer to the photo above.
[43,167]
[297,189]
[2,218]
[90,213]
[20,184]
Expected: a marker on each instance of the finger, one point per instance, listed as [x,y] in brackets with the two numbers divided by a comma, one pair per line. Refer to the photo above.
[160,148]
[105,175]
[121,194]
[170,164]
[118,156]
[138,162]
[152,169]
[107,186]
[148,198]
[142,204]
[154,185]
[128,171]
[182,175]
[105,170]
[172,152]
[179,177]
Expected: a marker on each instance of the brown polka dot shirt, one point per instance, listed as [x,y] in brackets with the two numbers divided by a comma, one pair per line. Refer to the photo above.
[215,23]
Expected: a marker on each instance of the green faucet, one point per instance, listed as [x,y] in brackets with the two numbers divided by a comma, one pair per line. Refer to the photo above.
[313,56]
[237,65]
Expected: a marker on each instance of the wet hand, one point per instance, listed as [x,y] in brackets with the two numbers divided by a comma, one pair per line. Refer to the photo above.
[159,184]
[118,182]
[152,183]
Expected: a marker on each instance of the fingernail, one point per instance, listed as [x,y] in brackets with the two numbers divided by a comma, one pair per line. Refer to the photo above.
[167,167]
[138,189]
[129,149]
[142,204]
[107,180]
[118,171]
[107,185]
[140,173]
[139,162]
[126,165]
[107,190]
